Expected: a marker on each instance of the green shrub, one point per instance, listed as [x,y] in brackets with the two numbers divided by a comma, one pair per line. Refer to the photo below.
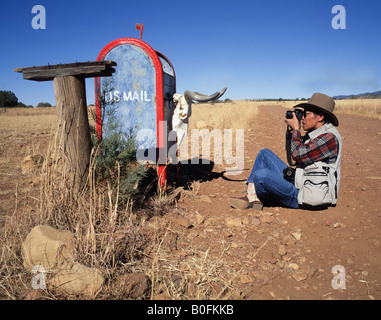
[115,157]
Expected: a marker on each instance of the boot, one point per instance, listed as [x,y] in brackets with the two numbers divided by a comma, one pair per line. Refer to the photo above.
[249,201]
[244,203]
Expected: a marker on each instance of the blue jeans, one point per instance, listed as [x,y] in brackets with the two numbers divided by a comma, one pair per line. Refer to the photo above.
[270,186]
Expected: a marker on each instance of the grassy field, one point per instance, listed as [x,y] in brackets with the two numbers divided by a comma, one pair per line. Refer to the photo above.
[227,115]
[238,114]
[366,107]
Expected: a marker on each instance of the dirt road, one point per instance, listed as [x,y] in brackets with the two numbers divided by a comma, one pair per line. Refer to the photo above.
[283,253]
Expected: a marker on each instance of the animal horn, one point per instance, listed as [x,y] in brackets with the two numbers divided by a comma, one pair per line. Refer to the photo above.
[196,96]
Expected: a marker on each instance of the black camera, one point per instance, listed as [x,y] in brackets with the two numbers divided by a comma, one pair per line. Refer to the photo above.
[298,113]
[289,174]
[289,115]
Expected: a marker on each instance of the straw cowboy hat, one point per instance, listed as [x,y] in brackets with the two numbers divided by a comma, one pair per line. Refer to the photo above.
[321,103]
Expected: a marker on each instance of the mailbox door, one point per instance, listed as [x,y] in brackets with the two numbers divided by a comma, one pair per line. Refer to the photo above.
[169,89]
[134,93]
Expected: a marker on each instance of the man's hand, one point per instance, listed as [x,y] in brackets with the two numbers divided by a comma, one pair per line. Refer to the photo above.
[293,123]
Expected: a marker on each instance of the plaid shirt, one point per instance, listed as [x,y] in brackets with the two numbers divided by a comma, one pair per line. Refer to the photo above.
[323,148]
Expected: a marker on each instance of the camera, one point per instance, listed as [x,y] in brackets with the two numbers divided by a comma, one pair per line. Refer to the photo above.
[289,174]
[298,113]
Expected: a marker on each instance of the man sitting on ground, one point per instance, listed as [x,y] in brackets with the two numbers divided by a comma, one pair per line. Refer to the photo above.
[318,163]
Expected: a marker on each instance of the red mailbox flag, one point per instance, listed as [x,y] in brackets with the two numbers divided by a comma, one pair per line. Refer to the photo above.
[140,27]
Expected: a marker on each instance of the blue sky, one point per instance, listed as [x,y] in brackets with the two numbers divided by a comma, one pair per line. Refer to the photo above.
[258,49]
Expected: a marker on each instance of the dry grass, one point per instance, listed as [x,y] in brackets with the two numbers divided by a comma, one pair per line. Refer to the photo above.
[227,115]
[238,114]
[213,120]
[365,107]
[23,121]
[117,239]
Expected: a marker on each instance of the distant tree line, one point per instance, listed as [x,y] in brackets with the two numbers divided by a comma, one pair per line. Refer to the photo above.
[9,100]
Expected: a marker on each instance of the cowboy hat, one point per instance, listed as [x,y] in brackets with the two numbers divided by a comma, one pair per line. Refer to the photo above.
[321,103]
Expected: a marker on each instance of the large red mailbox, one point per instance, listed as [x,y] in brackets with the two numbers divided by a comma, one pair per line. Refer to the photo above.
[141,93]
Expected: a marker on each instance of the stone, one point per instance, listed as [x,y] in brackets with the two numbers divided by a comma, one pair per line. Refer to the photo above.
[233,222]
[339,225]
[199,218]
[288,240]
[76,278]
[205,198]
[266,219]
[299,276]
[54,251]
[256,222]
[47,247]
[282,250]
[182,221]
[327,222]
[297,235]
[280,264]
[136,284]
[294,266]
[245,220]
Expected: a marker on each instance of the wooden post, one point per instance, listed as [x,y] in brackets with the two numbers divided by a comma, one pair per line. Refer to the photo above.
[70,95]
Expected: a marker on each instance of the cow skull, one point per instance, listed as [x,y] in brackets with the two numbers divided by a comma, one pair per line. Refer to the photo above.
[183,110]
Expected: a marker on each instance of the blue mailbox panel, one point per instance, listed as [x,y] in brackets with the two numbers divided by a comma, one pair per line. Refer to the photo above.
[131,92]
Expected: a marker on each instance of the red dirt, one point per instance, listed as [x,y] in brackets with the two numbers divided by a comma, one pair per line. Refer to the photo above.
[347,235]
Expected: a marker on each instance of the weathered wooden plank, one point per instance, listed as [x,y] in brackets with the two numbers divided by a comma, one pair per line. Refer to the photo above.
[67,65]
[82,72]
[79,69]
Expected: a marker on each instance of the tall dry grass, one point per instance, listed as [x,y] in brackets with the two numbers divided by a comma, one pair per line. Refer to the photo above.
[227,115]
[210,125]
[240,113]
[115,238]
[364,107]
